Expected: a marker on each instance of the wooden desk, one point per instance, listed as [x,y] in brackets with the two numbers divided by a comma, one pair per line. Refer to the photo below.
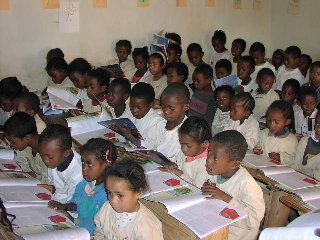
[174,230]
[293,202]
[55,119]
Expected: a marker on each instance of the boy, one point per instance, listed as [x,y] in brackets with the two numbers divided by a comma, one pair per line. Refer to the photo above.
[29,103]
[245,68]
[304,65]
[218,42]
[21,132]
[195,55]
[57,69]
[64,164]
[202,101]
[232,183]
[223,68]
[174,52]
[314,77]
[237,48]
[290,68]
[277,59]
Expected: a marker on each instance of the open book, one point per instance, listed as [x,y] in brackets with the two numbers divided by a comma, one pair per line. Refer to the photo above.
[18,193]
[63,98]
[260,161]
[230,80]
[148,165]
[310,196]
[7,162]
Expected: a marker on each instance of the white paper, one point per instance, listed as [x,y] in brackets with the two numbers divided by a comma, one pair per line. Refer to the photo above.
[293,180]
[6,154]
[289,233]
[22,193]
[150,167]
[268,171]
[61,98]
[19,181]
[84,124]
[259,161]
[69,16]
[84,137]
[65,234]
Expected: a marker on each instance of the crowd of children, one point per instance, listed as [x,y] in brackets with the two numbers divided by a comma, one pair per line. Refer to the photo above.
[203,130]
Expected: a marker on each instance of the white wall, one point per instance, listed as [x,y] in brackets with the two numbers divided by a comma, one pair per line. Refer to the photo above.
[28,31]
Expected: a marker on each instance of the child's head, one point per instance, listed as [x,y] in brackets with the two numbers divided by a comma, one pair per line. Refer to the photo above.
[305,63]
[279,116]
[55,145]
[19,130]
[78,72]
[174,52]
[317,126]
[10,88]
[98,82]
[277,58]
[125,184]
[242,106]
[97,155]
[140,58]
[57,69]
[27,102]
[227,149]
[223,68]
[265,80]
[194,136]
[156,63]
[246,66]
[257,52]
[195,54]
[292,57]
[55,52]
[314,76]
[174,38]
[177,72]
[202,76]
[175,101]
[118,92]
[223,96]
[307,98]
[290,89]
[123,50]
[218,41]
[141,99]
[238,47]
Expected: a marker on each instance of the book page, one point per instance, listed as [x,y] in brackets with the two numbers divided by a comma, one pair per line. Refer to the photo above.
[293,180]
[315,203]
[9,165]
[84,137]
[64,234]
[308,194]
[24,194]
[292,233]
[148,165]
[268,171]
[19,181]
[7,154]
[84,123]
[258,161]
[62,98]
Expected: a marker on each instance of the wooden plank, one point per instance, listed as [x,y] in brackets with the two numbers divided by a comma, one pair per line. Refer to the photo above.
[293,202]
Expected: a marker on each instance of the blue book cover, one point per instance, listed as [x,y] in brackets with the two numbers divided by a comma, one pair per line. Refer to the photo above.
[230,80]
[157,39]
[122,122]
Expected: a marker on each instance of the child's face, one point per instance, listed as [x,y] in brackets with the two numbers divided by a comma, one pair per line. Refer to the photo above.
[276,122]
[93,169]
[224,101]
[265,84]
[57,75]
[155,66]
[308,104]
[315,76]
[277,59]
[19,106]
[94,88]
[122,53]
[258,57]
[303,64]
[200,82]
[18,143]
[139,107]
[236,49]
[221,72]
[140,63]
[173,76]
[237,111]
[217,45]
[79,80]
[172,108]
[291,62]
[190,147]
[288,93]
[6,104]
[172,55]
[244,70]
[317,127]
[120,196]
[195,57]
[116,95]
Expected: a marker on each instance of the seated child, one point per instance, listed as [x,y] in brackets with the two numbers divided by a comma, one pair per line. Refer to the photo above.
[314,77]
[223,68]
[123,217]
[97,155]
[304,65]
[64,164]
[202,102]
[264,95]
[194,137]
[174,52]
[304,118]
[178,72]
[195,55]
[277,59]
[140,59]
[218,42]
[245,68]
[242,118]
[57,69]
[289,93]
[223,96]
[29,103]
[290,68]
[230,182]
[238,46]
[52,53]
[21,132]
[174,38]
[277,141]
[257,52]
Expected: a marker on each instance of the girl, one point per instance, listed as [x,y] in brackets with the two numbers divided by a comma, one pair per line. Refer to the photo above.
[57,69]
[290,89]
[194,137]
[97,155]
[140,59]
[218,42]
[123,217]
[276,141]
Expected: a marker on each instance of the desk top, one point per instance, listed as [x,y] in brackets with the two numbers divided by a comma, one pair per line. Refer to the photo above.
[294,202]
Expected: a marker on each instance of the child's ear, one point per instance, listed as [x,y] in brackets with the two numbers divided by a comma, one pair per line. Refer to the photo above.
[248,113]
[186,107]
[139,194]
[202,54]
[235,164]
[126,96]
[251,71]
[288,121]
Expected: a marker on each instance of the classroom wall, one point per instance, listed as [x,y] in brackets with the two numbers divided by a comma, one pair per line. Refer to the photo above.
[28,31]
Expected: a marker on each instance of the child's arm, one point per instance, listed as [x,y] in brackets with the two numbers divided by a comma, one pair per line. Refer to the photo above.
[126,132]
[210,188]
[59,206]
[49,187]
[153,157]
[172,168]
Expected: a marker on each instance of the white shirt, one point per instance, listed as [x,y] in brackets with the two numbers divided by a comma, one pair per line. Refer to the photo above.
[215,57]
[251,86]
[285,74]
[301,122]
[263,101]
[259,67]
[65,83]
[220,120]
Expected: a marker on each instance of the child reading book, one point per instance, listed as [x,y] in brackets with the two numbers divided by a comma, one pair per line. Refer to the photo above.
[195,55]
[57,69]
[238,46]
[289,93]
[223,68]
[123,217]
[97,155]
[245,68]
[232,183]
[140,59]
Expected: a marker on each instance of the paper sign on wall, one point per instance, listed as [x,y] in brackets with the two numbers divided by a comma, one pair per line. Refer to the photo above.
[209,3]
[4,5]
[143,3]
[181,3]
[69,17]
[99,3]
[294,6]
[257,5]
[237,4]
[49,4]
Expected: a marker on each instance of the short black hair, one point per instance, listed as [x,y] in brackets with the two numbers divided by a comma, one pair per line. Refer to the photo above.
[306,91]
[250,60]
[242,43]
[194,47]
[265,72]
[225,64]
[293,83]
[57,132]
[315,64]
[293,51]
[57,52]
[159,56]
[205,69]
[285,108]
[99,147]
[176,48]
[257,47]
[224,88]
[197,128]
[309,59]
[131,171]
[30,100]
[178,90]
[234,144]
[173,37]
[180,68]
[144,91]
[123,83]
[124,43]
[19,125]
[57,63]
[246,100]
[101,75]
[143,52]
[220,36]
[10,87]
[79,65]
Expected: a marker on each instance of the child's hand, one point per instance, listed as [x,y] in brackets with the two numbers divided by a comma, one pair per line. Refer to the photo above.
[210,188]
[121,130]
[151,156]
[50,188]
[55,205]
[75,112]
[274,156]
[257,150]
[172,168]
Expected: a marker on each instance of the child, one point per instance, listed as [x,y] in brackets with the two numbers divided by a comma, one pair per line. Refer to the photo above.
[64,164]
[314,77]
[178,72]
[140,59]
[97,155]
[238,46]
[29,103]
[304,65]
[264,95]
[257,52]
[276,141]
[218,42]
[277,59]
[174,38]
[290,68]
[290,89]
[194,137]
[174,52]
[242,118]
[223,68]
[232,183]
[123,50]
[304,118]
[123,217]
[57,69]
[55,52]
[223,96]
[21,132]
[195,55]
[245,68]
[202,102]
